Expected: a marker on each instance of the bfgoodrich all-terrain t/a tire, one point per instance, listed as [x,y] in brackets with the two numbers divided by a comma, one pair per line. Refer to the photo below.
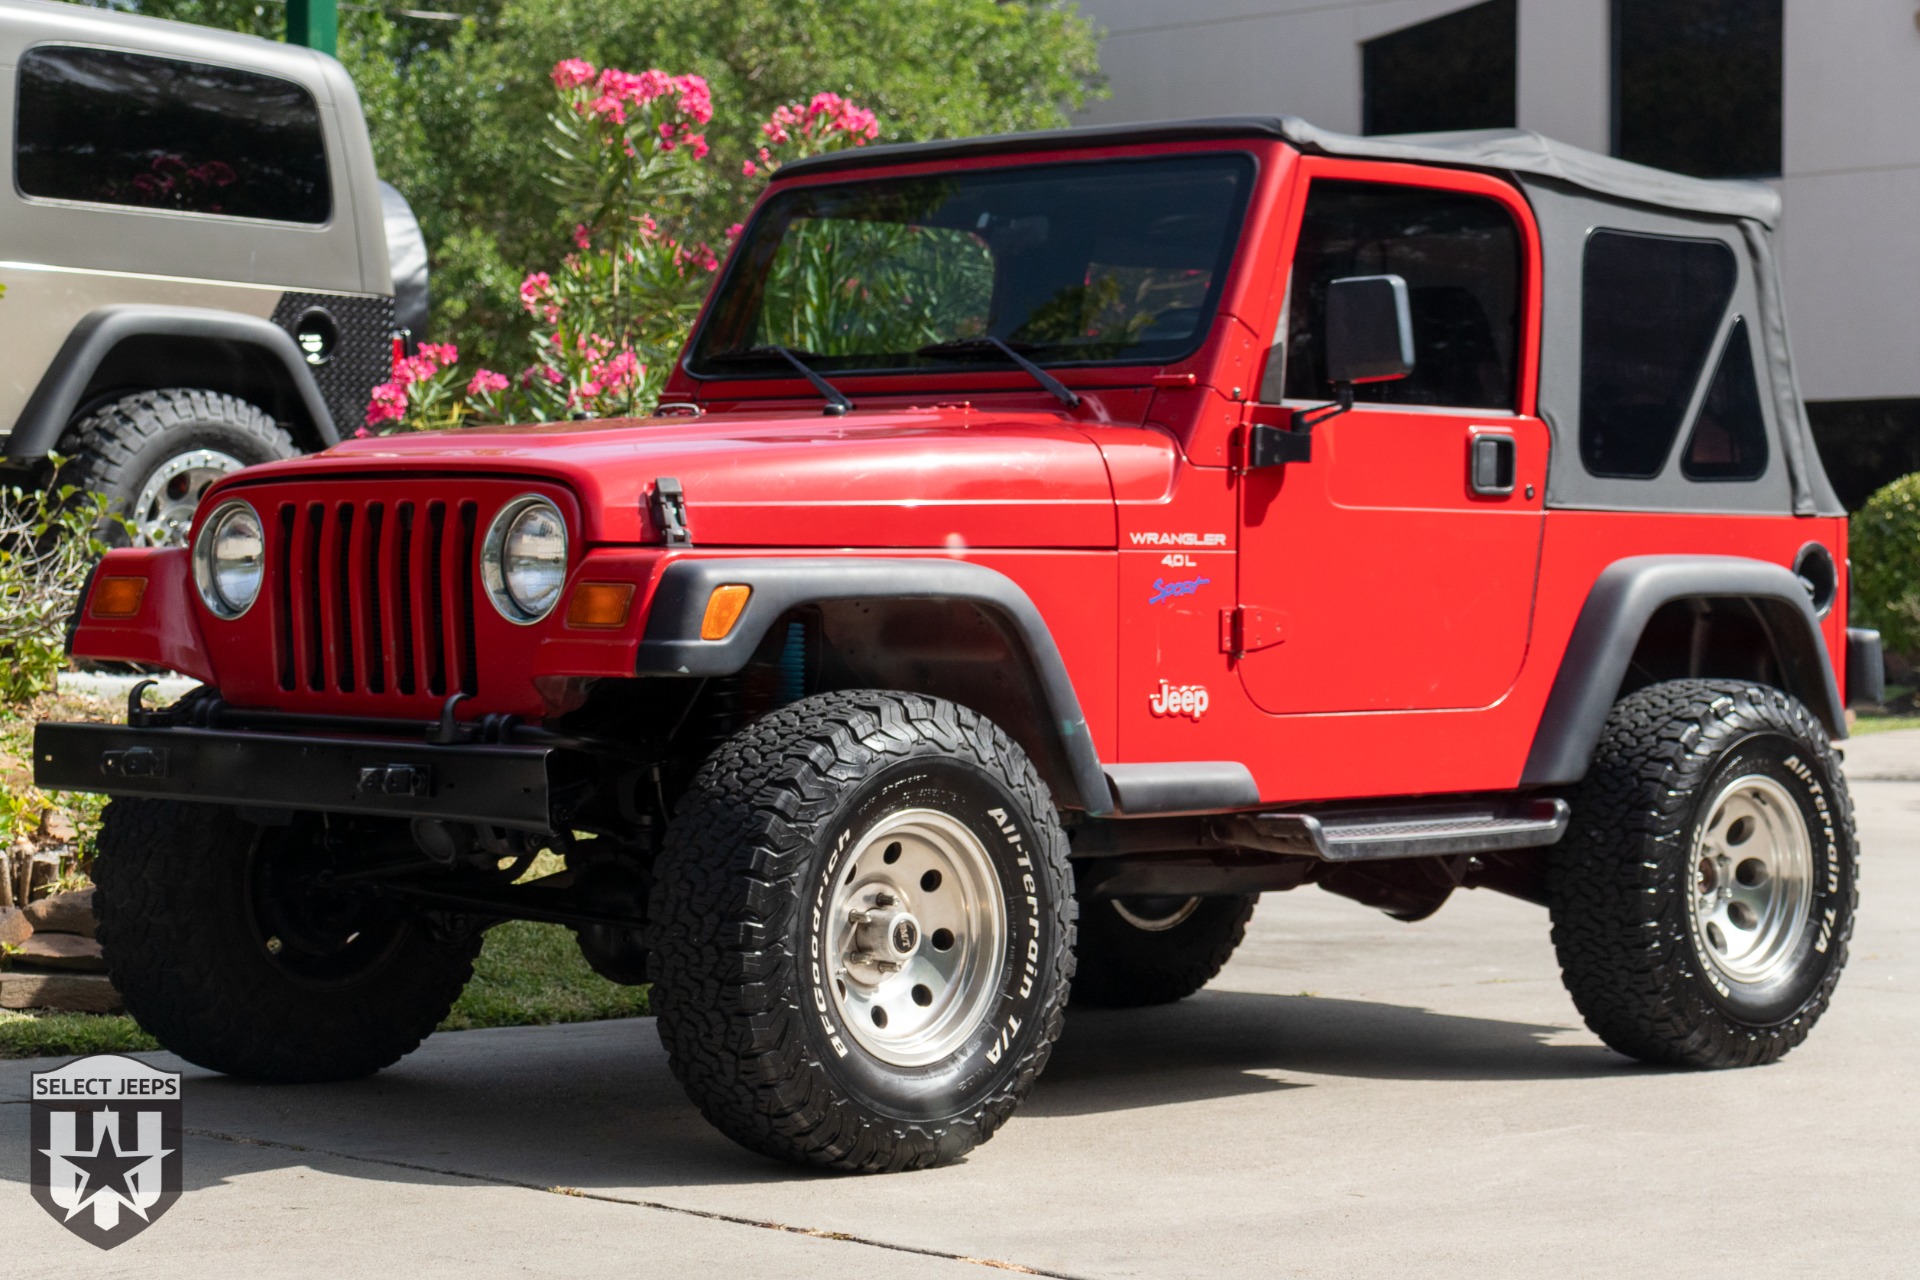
[227,952]
[1704,894]
[862,927]
[1142,951]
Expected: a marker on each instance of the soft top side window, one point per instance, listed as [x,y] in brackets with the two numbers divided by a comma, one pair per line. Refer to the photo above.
[1460,256]
[130,129]
[1729,437]
[1650,309]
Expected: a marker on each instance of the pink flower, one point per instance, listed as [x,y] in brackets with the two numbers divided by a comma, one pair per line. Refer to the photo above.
[571,73]
[749,169]
[696,99]
[388,404]
[580,237]
[733,232]
[439,354]
[534,289]
[486,383]
[698,141]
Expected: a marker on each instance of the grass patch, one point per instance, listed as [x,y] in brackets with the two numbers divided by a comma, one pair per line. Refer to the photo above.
[527,975]
[42,1034]
[1883,724]
[532,974]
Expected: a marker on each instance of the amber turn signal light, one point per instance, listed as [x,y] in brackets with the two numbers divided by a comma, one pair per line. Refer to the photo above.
[600,605]
[117,597]
[724,608]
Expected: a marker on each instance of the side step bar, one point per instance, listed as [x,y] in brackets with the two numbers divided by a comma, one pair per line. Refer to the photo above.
[1436,831]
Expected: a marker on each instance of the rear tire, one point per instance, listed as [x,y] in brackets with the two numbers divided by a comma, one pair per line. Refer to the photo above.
[227,955]
[1146,951]
[154,454]
[1704,894]
[862,933]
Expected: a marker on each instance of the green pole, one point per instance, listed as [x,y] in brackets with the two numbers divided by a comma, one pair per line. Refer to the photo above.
[315,24]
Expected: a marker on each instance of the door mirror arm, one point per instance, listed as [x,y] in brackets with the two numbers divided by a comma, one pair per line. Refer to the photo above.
[1272,446]
[1369,338]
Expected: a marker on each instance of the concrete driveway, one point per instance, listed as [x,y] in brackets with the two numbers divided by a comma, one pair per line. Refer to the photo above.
[1353,1097]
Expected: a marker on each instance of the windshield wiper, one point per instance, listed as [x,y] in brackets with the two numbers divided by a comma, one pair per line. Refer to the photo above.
[961,348]
[837,403]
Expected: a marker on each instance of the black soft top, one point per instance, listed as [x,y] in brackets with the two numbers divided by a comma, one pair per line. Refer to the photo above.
[1517,151]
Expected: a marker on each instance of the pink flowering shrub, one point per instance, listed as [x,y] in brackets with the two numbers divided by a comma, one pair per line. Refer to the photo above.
[631,152]
[422,395]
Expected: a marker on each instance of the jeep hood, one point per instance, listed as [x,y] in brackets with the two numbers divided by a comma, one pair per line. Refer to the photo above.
[944,477]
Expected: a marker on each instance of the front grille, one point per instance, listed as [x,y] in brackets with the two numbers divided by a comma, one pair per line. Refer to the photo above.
[375,597]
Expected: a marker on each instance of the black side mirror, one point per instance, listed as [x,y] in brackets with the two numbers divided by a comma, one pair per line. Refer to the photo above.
[1369,330]
[1369,338]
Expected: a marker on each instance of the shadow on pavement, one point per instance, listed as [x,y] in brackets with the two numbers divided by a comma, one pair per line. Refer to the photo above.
[1213,1044]
[593,1106]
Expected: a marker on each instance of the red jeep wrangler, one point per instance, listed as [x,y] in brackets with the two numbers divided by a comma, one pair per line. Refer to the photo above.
[1109,525]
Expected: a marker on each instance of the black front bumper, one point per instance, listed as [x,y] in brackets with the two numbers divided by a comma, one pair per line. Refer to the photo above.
[501,785]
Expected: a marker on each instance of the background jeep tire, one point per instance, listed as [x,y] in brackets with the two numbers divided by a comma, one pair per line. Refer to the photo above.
[154,454]
[253,990]
[910,816]
[1704,894]
[1142,951]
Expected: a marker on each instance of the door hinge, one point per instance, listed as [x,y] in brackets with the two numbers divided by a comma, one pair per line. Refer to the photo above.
[1245,629]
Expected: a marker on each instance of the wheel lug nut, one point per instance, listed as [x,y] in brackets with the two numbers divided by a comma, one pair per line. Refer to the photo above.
[884,899]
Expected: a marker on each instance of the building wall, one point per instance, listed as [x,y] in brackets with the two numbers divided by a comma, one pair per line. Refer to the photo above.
[1850,242]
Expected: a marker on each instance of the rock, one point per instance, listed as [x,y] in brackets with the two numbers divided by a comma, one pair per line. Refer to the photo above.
[71,992]
[61,951]
[63,913]
[55,825]
[15,928]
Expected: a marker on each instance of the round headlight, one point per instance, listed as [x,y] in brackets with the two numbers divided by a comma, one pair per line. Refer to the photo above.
[230,559]
[524,560]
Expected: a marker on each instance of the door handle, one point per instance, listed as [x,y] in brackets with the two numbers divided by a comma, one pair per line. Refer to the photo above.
[1491,464]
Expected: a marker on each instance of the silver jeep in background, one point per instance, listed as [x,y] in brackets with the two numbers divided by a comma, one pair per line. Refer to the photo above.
[196,253]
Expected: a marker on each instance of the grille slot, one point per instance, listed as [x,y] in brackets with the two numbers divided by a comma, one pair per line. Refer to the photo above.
[376,597]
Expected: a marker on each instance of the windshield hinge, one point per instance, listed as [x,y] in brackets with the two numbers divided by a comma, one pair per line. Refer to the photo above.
[670,513]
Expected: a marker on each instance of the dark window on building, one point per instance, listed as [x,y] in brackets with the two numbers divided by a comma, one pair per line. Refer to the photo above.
[1453,72]
[157,133]
[1460,257]
[1696,85]
[1865,444]
[1649,312]
[1729,440]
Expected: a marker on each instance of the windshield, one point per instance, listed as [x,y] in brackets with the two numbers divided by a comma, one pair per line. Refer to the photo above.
[1110,262]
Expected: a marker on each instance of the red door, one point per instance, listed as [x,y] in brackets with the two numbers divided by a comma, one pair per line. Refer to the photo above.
[1389,573]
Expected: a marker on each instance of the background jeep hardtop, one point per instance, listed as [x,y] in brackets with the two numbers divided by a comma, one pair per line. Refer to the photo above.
[197,255]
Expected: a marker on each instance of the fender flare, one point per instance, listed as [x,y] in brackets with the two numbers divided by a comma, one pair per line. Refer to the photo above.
[63,386]
[1623,598]
[671,644]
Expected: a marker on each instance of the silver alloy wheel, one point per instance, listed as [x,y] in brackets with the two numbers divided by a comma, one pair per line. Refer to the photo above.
[1753,880]
[1155,915]
[915,937]
[164,510]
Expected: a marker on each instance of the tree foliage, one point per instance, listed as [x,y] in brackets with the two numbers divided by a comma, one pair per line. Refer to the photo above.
[457,110]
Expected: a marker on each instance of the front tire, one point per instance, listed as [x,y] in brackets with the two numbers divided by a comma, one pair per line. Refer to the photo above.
[1145,951]
[862,932]
[1704,895]
[226,953]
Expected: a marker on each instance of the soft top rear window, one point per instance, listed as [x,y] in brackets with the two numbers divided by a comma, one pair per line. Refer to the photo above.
[1099,262]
